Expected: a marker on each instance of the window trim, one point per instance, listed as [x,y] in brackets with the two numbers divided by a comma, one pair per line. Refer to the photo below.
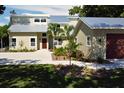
[88,36]
[13,43]
[32,42]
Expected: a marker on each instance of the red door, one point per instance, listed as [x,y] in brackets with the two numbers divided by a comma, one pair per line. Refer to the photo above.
[44,43]
[115,46]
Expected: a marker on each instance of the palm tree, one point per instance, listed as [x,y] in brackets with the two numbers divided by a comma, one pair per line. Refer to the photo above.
[3,33]
[72,46]
[66,33]
[53,31]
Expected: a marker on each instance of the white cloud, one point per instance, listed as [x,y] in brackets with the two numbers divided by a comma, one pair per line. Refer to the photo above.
[49,9]
[26,13]
[7,17]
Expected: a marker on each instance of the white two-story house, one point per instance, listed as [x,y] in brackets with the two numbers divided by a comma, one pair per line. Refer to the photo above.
[30,31]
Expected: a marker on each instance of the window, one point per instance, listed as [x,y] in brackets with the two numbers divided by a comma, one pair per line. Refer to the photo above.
[13,41]
[43,20]
[44,34]
[55,42]
[58,25]
[99,40]
[59,42]
[36,20]
[32,41]
[88,40]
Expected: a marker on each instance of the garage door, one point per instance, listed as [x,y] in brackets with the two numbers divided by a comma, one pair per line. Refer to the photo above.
[115,46]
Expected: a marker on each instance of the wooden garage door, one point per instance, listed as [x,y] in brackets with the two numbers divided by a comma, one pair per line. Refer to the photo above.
[115,46]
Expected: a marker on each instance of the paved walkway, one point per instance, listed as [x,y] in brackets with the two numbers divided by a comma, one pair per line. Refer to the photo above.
[44,57]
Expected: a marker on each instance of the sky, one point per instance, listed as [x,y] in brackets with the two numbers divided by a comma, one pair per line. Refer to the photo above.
[34,9]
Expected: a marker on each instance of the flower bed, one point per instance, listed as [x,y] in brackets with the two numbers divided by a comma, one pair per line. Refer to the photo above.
[59,54]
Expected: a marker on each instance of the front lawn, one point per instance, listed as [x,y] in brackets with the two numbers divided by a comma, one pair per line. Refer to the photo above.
[58,76]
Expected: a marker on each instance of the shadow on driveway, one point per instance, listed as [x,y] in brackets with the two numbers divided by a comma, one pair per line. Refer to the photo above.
[5,61]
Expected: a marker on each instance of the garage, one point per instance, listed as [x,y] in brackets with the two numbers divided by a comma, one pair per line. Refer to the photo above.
[115,46]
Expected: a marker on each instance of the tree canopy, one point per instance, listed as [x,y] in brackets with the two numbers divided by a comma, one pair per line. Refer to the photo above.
[98,10]
[3,33]
[2,8]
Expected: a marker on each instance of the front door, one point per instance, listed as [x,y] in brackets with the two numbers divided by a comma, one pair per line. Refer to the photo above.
[44,43]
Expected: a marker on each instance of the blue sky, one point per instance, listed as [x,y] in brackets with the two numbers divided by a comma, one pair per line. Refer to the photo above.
[33,9]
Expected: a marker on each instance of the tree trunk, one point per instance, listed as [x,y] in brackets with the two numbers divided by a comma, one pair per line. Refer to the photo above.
[70,60]
[53,43]
[1,43]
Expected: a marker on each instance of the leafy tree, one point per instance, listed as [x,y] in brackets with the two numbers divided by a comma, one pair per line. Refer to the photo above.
[3,33]
[75,10]
[2,8]
[97,10]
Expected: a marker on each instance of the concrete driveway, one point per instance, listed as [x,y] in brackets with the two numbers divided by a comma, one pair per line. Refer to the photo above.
[44,57]
[38,57]
[25,57]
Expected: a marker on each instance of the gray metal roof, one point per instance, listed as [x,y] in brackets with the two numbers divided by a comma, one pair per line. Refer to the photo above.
[28,28]
[59,19]
[103,23]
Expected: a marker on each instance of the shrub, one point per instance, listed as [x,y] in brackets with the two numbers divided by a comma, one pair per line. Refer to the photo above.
[101,60]
[7,48]
[79,55]
[59,51]
[87,71]
[22,50]
[88,60]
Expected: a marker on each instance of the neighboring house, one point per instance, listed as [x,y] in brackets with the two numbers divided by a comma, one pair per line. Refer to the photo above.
[30,31]
[101,37]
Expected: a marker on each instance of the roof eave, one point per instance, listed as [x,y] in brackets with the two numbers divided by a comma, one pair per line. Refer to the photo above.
[106,28]
[86,23]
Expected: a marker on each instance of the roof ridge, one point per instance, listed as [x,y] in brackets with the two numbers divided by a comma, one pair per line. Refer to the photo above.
[101,17]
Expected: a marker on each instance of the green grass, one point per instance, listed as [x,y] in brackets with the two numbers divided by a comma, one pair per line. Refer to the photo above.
[29,76]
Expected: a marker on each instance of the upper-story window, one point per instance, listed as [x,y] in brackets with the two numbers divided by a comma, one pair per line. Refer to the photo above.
[37,20]
[19,20]
[43,20]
